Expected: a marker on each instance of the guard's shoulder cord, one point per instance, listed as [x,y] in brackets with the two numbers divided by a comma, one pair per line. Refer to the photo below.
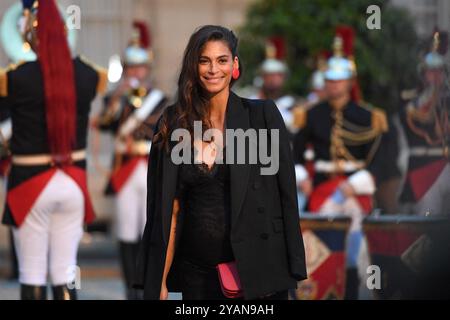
[4,77]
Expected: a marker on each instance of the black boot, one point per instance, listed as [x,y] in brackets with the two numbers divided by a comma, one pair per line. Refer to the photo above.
[14,264]
[128,255]
[63,292]
[352,284]
[28,292]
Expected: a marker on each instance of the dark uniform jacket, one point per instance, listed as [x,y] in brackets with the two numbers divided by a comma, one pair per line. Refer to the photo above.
[22,90]
[357,136]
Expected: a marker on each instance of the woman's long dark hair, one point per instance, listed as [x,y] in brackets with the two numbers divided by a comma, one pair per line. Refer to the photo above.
[192,101]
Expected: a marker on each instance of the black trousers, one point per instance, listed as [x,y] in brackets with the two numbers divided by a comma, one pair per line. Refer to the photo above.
[201,283]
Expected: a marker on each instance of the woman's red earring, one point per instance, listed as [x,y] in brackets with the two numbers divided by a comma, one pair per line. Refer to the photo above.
[235,73]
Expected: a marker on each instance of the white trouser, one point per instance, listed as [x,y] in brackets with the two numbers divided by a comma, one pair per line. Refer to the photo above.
[436,200]
[351,208]
[49,237]
[131,202]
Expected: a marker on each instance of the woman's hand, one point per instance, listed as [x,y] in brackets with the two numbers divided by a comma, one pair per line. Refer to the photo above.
[164,294]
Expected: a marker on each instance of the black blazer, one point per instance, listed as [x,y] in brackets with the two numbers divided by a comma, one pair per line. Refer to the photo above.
[265,232]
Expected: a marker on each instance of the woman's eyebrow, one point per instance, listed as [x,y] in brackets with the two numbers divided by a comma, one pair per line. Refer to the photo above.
[219,57]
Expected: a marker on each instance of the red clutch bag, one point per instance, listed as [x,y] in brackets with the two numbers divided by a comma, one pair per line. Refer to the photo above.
[229,280]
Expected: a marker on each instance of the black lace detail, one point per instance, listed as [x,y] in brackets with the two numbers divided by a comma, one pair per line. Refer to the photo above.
[204,196]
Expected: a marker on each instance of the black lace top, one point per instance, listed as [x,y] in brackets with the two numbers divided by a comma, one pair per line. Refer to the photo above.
[204,198]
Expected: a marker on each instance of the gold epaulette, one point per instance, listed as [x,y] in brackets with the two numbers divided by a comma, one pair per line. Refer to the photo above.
[4,78]
[3,82]
[379,120]
[366,105]
[300,116]
[102,83]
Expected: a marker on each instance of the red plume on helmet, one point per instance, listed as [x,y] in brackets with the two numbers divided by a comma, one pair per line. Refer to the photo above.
[59,83]
[347,34]
[442,41]
[144,34]
[278,47]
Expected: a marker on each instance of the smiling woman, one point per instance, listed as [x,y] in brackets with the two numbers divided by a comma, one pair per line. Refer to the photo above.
[206,213]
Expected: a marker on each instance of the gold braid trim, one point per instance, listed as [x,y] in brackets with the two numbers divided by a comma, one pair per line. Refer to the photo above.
[424,113]
[300,116]
[4,77]
[110,113]
[102,84]
[102,73]
[379,120]
[341,137]
[3,83]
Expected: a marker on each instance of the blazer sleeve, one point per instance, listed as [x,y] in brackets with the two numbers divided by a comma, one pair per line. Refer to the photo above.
[154,162]
[288,193]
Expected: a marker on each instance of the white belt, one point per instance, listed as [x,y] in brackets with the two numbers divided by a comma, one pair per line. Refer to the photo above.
[424,152]
[141,147]
[44,159]
[342,165]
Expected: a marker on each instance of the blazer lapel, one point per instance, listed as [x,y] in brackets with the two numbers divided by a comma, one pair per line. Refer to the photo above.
[237,117]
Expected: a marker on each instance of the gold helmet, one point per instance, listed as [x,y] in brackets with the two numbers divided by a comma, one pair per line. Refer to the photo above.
[18,31]
[435,59]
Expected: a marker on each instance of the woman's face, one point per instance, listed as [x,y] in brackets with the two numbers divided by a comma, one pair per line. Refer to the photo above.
[215,66]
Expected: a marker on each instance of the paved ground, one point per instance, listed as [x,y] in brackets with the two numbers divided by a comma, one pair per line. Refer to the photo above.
[99,268]
[100,274]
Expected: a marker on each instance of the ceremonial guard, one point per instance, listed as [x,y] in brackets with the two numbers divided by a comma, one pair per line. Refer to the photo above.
[426,123]
[315,96]
[47,200]
[345,135]
[273,76]
[317,82]
[130,113]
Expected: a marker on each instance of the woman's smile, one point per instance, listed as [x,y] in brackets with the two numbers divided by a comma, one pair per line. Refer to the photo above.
[213,80]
